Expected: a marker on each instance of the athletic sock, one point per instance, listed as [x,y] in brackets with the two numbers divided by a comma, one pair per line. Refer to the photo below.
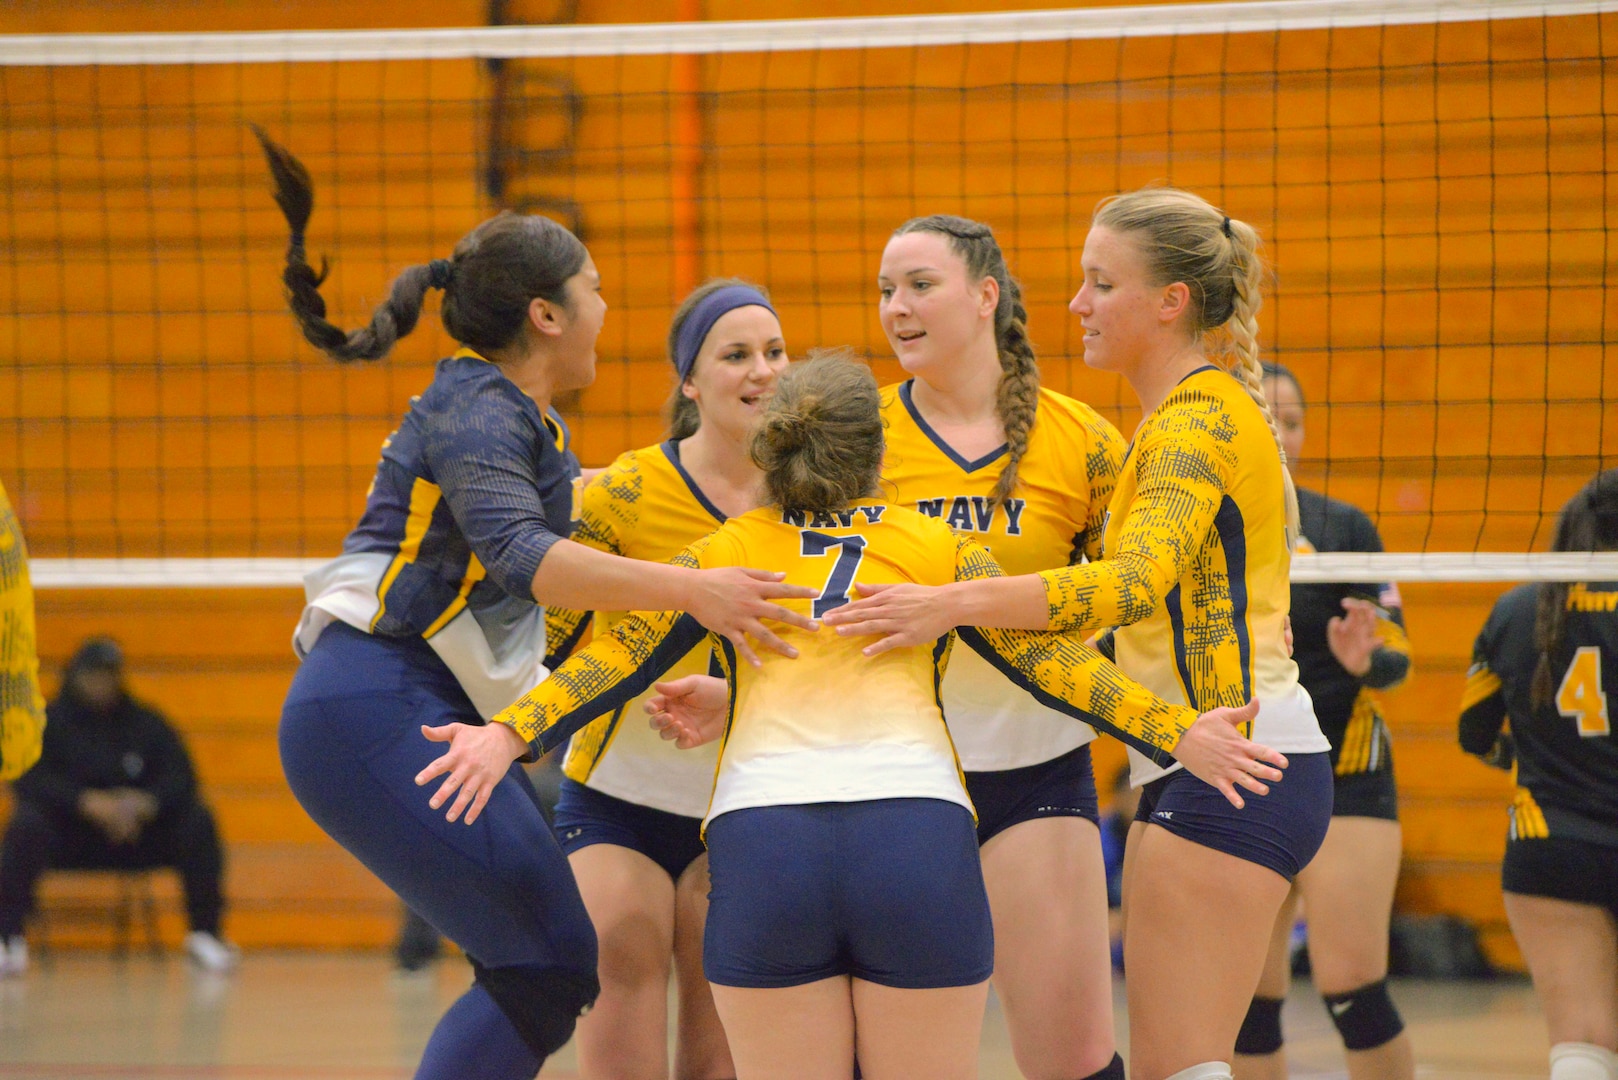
[1208,1070]
[475,1041]
[1583,1061]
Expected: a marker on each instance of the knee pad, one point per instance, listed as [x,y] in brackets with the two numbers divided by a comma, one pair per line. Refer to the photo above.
[1583,1061]
[542,1003]
[1366,1018]
[1112,1070]
[1261,1027]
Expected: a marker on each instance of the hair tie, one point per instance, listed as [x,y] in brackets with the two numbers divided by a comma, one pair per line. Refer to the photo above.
[1226,226]
[440,272]
[709,310]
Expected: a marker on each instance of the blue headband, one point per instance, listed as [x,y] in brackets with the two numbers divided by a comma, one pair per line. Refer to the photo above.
[709,310]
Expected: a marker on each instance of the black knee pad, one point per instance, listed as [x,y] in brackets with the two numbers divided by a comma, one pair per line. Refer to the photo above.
[1112,1070]
[542,1003]
[1261,1027]
[1366,1018]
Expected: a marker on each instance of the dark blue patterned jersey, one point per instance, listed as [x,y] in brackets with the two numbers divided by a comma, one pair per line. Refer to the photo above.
[1566,756]
[472,490]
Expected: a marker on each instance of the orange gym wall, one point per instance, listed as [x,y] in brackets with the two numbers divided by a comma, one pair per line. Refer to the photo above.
[159,401]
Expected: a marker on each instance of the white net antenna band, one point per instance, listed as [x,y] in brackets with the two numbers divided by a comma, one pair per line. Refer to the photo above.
[1372,568]
[561,42]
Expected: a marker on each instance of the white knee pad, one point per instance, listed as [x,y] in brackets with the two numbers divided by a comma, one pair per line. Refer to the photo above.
[1583,1061]
[1210,1070]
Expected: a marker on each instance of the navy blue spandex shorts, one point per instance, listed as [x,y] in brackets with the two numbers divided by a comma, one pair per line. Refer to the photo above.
[889,891]
[1061,787]
[351,745]
[585,816]
[1281,830]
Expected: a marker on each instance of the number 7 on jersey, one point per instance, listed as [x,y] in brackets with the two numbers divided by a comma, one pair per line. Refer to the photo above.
[850,550]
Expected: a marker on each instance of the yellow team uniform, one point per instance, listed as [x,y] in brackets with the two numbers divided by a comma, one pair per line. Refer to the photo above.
[1053,517]
[1195,566]
[643,506]
[834,725]
[22,707]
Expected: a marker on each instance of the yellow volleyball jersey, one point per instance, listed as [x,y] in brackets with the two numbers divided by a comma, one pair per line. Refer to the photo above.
[1053,518]
[643,506]
[22,707]
[1195,568]
[834,725]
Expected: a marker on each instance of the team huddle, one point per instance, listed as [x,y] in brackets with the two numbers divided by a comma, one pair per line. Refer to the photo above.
[827,750]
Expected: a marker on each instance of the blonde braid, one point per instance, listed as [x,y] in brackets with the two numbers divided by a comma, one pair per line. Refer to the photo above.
[1017,396]
[1247,297]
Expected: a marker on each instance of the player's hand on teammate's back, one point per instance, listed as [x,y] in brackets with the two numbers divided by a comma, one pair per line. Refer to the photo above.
[903,615]
[733,602]
[1214,750]
[478,758]
[690,710]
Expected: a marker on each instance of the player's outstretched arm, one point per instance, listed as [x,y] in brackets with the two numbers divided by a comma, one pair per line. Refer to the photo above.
[605,675]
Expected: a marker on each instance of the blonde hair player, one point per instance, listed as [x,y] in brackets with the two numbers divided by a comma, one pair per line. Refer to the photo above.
[973,439]
[848,912]
[630,812]
[1194,576]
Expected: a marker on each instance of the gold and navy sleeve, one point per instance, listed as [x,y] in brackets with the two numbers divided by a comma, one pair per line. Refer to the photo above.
[1103,458]
[610,672]
[608,510]
[1390,662]
[482,458]
[1182,461]
[22,707]
[1483,702]
[1064,673]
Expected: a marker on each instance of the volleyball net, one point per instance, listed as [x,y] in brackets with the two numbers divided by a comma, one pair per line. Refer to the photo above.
[1433,182]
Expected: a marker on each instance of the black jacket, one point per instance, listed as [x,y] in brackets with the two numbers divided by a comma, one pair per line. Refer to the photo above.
[131,747]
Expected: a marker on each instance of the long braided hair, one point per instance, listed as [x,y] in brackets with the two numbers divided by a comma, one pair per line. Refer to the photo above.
[1188,239]
[489,281]
[1017,397]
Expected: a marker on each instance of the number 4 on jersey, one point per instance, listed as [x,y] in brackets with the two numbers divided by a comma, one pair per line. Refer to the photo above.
[850,550]
[1580,697]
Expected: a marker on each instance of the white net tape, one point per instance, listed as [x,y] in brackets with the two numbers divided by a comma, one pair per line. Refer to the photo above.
[512,42]
[1351,566]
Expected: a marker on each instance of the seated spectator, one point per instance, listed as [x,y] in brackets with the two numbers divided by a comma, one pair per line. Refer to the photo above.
[114,789]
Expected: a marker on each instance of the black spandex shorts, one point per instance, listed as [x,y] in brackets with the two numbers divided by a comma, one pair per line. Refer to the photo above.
[1061,787]
[1366,794]
[1562,869]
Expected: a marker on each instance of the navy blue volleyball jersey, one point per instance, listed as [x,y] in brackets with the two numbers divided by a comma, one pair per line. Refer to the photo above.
[1346,705]
[1567,757]
[472,490]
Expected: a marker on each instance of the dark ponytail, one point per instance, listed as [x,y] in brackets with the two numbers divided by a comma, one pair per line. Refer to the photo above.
[1017,396]
[1589,522]
[496,270]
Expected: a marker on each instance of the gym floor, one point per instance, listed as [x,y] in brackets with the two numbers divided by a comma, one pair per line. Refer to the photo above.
[329,1016]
